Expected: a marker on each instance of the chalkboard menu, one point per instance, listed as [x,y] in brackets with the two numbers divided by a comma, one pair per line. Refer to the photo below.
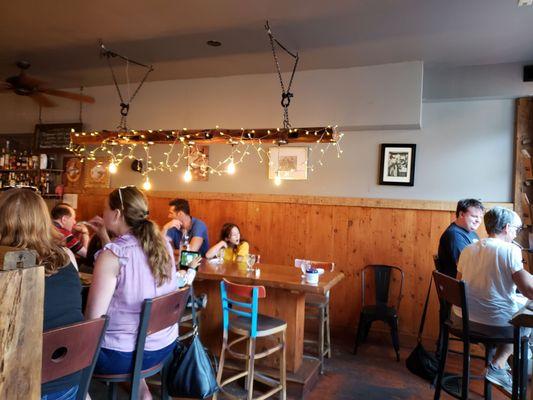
[54,137]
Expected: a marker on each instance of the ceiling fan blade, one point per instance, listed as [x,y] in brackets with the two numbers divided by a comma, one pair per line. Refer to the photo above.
[42,100]
[30,81]
[68,95]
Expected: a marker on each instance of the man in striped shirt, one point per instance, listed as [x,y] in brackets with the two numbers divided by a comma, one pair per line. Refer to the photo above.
[76,235]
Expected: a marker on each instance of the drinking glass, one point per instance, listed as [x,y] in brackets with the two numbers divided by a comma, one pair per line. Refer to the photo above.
[250,261]
[220,254]
[303,266]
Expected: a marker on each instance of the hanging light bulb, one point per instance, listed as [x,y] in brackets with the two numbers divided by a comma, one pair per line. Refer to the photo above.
[231,167]
[147,185]
[277,179]
[187,176]
[112,167]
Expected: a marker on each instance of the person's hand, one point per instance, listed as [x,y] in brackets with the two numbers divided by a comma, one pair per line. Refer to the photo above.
[98,226]
[223,244]
[173,223]
[195,262]
[80,228]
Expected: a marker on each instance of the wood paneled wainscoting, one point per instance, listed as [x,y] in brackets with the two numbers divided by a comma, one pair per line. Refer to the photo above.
[351,232]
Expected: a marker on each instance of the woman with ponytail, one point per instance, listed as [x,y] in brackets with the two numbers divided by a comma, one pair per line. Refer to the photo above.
[138,264]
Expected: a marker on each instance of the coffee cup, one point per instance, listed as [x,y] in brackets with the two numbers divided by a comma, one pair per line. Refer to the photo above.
[311,275]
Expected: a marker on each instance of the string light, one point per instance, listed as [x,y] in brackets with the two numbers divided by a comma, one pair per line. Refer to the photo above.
[147,185]
[187,176]
[112,167]
[184,149]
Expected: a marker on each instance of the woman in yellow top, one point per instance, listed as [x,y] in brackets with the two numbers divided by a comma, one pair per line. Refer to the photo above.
[231,244]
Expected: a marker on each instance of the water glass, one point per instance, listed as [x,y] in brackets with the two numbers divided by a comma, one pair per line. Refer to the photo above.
[303,266]
[221,253]
[250,261]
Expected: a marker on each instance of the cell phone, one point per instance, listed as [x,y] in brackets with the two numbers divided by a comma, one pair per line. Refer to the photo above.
[186,257]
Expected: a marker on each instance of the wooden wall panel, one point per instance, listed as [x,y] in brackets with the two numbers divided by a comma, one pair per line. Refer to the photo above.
[351,236]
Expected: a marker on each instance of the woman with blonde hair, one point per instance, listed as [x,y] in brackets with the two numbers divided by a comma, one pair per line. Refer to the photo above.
[138,264]
[25,223]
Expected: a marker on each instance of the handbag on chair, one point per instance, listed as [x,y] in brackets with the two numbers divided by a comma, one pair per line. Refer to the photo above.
[190,374]
[421,362]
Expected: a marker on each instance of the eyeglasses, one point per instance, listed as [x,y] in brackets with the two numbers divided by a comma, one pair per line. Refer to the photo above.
[120,195]
[32,188]
[517,227]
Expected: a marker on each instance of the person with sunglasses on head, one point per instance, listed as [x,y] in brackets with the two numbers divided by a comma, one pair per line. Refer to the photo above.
[492,270]
[25,223]
[138,264]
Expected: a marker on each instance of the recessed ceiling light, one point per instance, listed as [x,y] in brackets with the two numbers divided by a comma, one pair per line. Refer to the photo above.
[213,43]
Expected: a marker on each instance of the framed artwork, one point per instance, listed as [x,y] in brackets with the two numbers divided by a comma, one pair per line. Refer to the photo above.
[96,173]
[397,165]
[199,162]
[73,168]
[289,162]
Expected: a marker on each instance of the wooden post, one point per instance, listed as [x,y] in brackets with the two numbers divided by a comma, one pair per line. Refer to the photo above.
[21,324]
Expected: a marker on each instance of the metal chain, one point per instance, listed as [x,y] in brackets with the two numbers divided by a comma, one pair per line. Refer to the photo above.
[286,93]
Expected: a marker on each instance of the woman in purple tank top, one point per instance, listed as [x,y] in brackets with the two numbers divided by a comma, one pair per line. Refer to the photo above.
[138,264]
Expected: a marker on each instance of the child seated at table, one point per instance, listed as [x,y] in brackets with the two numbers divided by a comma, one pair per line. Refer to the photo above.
[231,246]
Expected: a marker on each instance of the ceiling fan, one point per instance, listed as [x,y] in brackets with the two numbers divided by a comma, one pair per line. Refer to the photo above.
[25,85]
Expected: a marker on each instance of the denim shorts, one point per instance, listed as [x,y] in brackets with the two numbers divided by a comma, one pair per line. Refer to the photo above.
[67,394]
[121,362]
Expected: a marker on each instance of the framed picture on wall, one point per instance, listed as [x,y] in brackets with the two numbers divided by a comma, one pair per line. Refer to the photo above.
[289,162]
[96,173]
[397,164]
[73,168]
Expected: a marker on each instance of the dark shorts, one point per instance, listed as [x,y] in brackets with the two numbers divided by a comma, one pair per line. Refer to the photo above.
[121,362]
[490,331]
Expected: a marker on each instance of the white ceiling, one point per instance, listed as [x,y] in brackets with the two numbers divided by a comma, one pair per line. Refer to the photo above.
[60,37]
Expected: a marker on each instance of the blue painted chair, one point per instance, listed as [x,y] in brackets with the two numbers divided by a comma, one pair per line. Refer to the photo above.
[157,314]
[248,325]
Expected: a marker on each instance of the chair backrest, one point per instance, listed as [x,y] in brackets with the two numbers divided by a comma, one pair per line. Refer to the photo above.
[436,261]
[72,348]
[327,266]
[452,292]
[382,279]
[241,308]
[157,314]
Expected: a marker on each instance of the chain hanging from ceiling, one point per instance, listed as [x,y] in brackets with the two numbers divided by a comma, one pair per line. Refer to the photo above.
[286,93]
[124,103]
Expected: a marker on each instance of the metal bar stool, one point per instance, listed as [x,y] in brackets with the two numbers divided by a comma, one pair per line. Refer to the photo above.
[248,325]
[317,307]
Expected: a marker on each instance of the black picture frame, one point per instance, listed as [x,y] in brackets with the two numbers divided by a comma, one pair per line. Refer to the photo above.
[397,164]
[54,137]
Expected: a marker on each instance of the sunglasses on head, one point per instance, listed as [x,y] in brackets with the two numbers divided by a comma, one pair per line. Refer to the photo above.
[120,195]
[32,188]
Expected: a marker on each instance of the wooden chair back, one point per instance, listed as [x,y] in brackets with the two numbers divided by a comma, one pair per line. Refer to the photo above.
[72,348]
[166,310]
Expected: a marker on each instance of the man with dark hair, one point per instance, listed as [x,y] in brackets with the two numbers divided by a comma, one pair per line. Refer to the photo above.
[76,235]
[492,270]
[459,234]
[185,230]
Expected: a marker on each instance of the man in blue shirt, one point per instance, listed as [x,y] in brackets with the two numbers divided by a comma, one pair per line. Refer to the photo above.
[460,233]
[185,228]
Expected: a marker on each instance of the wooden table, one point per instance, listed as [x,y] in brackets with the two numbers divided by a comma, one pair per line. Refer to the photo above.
[522,319]
[285,299]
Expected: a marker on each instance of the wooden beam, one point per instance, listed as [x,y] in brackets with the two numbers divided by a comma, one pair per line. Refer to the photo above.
[21,328]
[209,136]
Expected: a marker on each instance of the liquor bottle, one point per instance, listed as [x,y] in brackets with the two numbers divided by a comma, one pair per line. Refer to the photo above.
[13,160]
[2,158]
[6,156]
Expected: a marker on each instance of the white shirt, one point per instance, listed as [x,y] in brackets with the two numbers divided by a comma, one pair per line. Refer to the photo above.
[487,268]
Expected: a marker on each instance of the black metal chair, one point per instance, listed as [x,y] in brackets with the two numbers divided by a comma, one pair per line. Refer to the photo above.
[157,314]
[453,292]
[381,310]
[72,348]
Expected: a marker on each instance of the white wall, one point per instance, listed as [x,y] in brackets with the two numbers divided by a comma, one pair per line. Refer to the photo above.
[464,148]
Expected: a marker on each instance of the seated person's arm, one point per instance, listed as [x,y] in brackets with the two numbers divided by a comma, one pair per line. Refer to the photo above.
[105,275]
[196,243]
[97,224]
[524,283]
[213,251]
[243,251]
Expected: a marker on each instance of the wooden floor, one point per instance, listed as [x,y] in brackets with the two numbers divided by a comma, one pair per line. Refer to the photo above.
[373,374]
